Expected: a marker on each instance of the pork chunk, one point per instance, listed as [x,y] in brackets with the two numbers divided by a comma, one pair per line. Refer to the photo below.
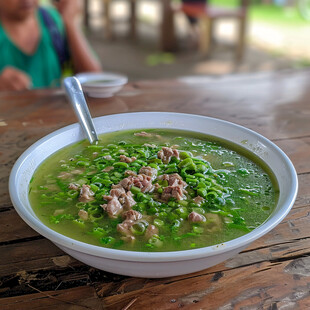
[117,190]
[175,187]
[143,134]
[113,207]
[195,217]
[127,200]
[198,200]
[151,231]
[74,186]
[151,172]
[108,169]
[132,215]
[83,214]
[142,181]
[172,191]
[86,194]
[166,153]
[126,159]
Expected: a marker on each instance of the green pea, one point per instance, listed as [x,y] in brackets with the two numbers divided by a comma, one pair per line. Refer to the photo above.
[82,163]
[159,223]
[138,228]
[197,229]
[121,165]
[135,190]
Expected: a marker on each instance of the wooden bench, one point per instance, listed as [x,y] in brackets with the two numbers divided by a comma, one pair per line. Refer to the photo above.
[207,15]
[167,40]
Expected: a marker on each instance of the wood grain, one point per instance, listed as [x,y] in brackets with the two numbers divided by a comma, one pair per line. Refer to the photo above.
[272,273]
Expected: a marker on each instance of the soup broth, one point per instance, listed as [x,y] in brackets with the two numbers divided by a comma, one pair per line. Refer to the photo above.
[153,190]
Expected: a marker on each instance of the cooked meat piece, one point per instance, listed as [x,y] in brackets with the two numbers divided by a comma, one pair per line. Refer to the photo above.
[175,187]
[173,179]
[195,217]
[113,207]
[143,134]
[150,231]
[156,186]
[126,183]
[150,145]
[144,182]
[141,180]
[127,200]
[124,228]
[126,159]
[151,172]
[107,169]
[107,197]
[86,194]
[198,200]
[77,171]
[172,191]
[58,211]
[132,215]
[117,190]
[83,214]
[107,157]
[74,186]
[64,175]
[130,172]
[166,153]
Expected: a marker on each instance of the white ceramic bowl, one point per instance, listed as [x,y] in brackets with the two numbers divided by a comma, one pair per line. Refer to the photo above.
[102,84]
[164,264]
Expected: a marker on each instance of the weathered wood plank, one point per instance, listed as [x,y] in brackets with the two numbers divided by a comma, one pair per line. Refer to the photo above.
[14,228]
[83,298]
[31,250]
[259,286]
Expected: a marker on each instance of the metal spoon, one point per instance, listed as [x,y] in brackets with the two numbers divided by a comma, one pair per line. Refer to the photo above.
[78,102]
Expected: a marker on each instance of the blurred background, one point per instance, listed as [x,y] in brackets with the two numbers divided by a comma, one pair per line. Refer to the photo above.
[277,37]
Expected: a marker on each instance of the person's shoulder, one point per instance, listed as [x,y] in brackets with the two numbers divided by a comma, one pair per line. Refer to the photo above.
[54,14]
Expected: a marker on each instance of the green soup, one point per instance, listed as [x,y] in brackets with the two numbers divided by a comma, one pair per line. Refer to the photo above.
[153,190]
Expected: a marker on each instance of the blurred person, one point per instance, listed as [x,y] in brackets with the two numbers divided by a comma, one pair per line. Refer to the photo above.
[37,43]
[194,21]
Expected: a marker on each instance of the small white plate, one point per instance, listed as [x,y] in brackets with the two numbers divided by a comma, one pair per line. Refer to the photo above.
[103,84]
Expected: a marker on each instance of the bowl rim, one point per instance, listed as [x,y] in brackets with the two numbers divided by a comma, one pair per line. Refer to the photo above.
[117,80]
[159,257]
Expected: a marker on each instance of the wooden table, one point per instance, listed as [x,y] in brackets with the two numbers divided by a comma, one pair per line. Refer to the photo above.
[272,273]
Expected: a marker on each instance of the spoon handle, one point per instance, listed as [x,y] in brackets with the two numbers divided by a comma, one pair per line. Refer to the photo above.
[78,102]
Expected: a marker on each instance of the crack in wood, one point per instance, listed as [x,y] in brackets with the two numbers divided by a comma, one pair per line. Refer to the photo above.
[6,208]
[16,241]
[59,299]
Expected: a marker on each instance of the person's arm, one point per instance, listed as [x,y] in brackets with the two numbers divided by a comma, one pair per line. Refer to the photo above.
[83,58]
[14,79]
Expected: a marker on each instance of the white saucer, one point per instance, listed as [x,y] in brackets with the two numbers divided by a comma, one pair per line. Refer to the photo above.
[103,84]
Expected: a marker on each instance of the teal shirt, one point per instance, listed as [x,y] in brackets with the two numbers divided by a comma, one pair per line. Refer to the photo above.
[43,66]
